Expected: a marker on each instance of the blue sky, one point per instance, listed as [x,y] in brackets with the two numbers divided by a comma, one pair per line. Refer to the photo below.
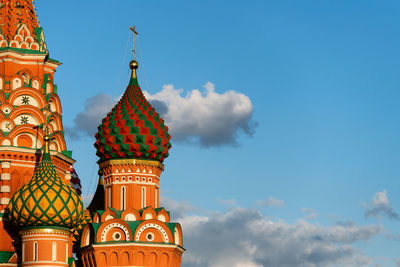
[322,81]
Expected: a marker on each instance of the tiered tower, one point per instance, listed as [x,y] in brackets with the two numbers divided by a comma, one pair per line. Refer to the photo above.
[129,228]
[29,108]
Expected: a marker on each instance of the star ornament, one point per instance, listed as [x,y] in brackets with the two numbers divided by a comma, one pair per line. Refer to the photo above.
[25,100]
[24,120]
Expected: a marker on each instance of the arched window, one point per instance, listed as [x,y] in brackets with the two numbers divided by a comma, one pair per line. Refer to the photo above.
[54,251]
[35,251]
[123,198]
[143,197]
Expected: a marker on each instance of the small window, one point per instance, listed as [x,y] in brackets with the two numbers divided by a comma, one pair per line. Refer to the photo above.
[35,251]
[150,237]
[117,236]
[109,197]
[123,198]
[143,197]
[54,252]
[25,77]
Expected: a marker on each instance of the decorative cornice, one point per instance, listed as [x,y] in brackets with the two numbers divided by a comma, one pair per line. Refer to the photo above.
[138,244]
[141,162]
[7,52]
[54,231]
[33,150]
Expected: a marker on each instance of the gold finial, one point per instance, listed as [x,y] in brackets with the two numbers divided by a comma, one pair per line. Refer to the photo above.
[46,139]
[133,65]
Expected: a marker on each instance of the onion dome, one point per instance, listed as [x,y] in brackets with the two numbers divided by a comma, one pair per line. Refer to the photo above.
[46,200]
[85,219]
[133,129]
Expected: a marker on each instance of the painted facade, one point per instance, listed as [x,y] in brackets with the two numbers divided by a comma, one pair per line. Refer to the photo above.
[43,221]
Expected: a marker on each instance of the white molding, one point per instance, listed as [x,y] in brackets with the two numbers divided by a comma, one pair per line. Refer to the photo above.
[7,53]
[5,164]
[120,174]
[5,189]
[5,177]
[133,182]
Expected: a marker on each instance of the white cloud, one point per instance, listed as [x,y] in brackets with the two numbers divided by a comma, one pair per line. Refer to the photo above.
[178,208]
[380,206]
[245,237]
[310,213]
[205,117]
[86,122]
[271,202]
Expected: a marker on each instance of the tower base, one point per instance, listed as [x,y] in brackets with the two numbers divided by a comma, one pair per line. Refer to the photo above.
[132,254]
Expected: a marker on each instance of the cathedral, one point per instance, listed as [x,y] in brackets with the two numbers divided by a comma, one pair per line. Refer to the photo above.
[43,221]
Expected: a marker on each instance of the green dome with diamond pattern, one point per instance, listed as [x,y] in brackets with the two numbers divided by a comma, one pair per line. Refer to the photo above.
[46,200]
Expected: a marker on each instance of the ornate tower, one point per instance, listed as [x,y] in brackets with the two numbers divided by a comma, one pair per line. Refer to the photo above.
[46,209]
[129,228]
[29,108]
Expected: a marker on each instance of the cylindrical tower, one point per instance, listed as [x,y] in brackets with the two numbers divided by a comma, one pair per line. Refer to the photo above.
[45,246]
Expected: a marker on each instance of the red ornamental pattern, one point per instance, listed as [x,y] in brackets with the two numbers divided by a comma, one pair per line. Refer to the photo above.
[133,129]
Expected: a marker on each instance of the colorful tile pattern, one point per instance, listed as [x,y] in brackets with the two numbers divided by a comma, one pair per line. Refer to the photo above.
[133,129]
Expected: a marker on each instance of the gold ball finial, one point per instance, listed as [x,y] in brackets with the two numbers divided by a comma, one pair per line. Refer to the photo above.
[133,65]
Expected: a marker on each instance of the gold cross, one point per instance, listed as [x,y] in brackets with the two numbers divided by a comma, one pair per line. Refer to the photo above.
[134,33]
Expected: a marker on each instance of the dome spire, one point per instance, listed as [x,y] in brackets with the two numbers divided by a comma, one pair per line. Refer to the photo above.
[133,65]
[133,129]
[46,147]
[46,199]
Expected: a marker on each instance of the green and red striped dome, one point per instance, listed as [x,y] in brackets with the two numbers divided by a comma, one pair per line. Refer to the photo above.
[133,130]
